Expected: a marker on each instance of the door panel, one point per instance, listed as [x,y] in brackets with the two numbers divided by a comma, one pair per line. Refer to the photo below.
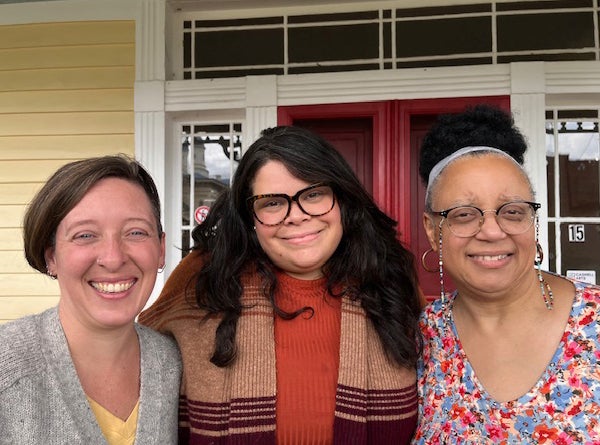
[429,280]
[353,138]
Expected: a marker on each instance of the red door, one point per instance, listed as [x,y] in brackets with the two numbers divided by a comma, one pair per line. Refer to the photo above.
[381,141]
[353,138]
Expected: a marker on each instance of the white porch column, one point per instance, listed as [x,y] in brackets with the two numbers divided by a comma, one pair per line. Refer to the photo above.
[149,98]
[261,106]
[528,88]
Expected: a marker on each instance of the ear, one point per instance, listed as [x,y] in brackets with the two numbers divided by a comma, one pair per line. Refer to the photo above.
[50,260]
[431,229]
[162,250]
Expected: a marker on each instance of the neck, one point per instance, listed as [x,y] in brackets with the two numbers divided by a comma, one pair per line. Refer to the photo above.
[523,298]
[103,346]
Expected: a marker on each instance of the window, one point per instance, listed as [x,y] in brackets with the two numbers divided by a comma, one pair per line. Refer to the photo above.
[384,39]
[573,154]
[210,155]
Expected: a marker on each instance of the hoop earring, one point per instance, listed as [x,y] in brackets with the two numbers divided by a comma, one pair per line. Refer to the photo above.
[547,294]
[50,274]
[441,265]
[161,269]
[424,262]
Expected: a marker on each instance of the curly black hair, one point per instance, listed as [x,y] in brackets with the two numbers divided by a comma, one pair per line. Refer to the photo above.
[482,124]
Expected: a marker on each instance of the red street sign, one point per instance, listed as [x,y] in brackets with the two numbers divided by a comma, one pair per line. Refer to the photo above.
[201,213]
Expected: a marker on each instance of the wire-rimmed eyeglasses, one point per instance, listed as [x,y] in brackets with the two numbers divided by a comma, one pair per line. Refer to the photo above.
[273,208]
[513,218]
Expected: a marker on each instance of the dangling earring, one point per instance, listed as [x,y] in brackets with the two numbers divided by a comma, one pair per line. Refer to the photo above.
[441,265]
[424,261]
[539,257]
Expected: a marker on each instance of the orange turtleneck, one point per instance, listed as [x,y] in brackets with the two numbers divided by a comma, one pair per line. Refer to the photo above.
[307,358]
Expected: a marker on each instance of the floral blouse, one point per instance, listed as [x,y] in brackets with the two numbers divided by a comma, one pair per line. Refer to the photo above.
[562,408]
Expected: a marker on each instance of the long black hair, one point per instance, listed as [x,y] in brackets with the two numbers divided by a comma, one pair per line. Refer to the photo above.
[369,264]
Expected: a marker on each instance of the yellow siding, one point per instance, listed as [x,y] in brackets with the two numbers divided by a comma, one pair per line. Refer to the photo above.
[28,170]
[97,123]
[70,57]
[65,101]
[10,218]
[13,261]
[40,35]
[66,93]
[10,238]
[27,284]
[63,146]
[17,193]
[75,78]
[15,307]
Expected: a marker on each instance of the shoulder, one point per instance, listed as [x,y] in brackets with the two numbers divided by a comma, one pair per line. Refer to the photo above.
[587,300]
[163,346]
[586,293]
[20,350]
[591,292]
[433,318]
[177,296]
[434,310]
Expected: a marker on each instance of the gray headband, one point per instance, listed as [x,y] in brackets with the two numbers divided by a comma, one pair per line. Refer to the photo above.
[441,165]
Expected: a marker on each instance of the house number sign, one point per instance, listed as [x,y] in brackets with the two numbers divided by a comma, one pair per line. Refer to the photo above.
[576,233]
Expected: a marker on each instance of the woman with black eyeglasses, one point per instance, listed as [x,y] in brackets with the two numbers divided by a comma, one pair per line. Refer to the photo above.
[512,355]
[296,312]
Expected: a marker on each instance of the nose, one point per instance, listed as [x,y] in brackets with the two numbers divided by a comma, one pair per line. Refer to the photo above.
[296,214]
[489,225]
[111,253]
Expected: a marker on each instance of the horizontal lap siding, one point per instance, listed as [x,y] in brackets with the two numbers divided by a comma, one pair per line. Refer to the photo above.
[66,93]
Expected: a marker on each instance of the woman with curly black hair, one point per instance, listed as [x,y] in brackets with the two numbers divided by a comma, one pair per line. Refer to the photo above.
[296,311]
[512,355]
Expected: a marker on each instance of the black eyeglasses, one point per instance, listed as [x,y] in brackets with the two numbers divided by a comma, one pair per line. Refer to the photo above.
[513,218]
[273,208]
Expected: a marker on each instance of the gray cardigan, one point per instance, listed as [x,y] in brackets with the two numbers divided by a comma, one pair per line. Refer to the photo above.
[41,398]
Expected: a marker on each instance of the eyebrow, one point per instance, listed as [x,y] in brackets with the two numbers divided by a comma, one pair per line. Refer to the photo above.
[92,222]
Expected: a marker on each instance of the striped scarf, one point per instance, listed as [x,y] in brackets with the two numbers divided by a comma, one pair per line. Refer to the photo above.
[376,400]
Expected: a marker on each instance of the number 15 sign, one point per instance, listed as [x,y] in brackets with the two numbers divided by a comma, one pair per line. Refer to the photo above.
[576,233]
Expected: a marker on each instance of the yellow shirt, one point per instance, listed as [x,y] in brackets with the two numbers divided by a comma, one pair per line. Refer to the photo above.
[115,430]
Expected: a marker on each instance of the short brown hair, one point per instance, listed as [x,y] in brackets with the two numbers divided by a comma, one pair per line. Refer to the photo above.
[65,188]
